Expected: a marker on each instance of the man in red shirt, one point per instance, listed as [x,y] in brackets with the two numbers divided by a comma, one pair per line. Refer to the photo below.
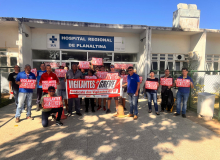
[48,76]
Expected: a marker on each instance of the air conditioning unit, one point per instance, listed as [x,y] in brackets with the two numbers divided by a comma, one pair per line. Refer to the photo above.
[180,57]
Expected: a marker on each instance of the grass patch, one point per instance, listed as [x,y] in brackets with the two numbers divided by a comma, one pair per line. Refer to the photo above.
[6,101]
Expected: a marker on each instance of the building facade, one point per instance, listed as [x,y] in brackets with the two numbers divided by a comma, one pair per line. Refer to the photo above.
[33,41]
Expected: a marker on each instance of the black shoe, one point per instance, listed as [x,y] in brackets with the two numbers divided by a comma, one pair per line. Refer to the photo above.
[58,123]
[86,110]
[149,111]
[176,114]
[79,114]
[93,110]
[38,107]
[108,111]
[183,115]
[125,109]
[53,117]
[157,113]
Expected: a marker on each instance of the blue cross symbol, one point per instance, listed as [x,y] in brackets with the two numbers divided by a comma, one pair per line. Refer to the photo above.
[53,39]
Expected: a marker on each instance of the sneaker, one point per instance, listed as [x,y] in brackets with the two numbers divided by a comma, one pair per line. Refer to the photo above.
[108,111]
[149,111]
[125,109]
[104,108]
[131,115]
[99,107]
[53,117]
[79,114]
[38,107]
[183,115]
[176,114]
[29,117]
[17,120]
[157,113]
[135,117]
[69,115]
[58,123]
[23,111]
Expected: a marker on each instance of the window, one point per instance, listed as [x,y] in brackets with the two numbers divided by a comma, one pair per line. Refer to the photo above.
[46,54]
[178,66]
[212,64]
[13,61]
[170,65]
[125,57]
[78,56]
[154,65]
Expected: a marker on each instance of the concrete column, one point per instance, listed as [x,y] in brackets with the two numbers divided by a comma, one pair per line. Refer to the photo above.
[148,52]
[20,30]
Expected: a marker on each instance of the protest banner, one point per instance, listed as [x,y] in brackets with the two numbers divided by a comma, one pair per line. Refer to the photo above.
[60,72]
[83,65]
[117,66]
[34,70]
[90,77]
[125,66]
[55,64]
[96,88]
[101,74]
[28,83]
[141,79]
[166,81]
[46,84]
[52,102]
[151,85]
[112,76]
[97,61]
[183,82]
[124,77]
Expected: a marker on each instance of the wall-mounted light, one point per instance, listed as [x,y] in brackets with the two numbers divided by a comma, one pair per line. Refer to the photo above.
[26,35]
[142,39]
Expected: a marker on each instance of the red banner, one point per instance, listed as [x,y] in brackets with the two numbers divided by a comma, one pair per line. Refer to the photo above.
[112,76]
[27,83]
[52,102]
[101,74]
[97,61]
[84,65]
[46,84]
[183,82]
[96,88]
[90,77]
[151,85]
[166,81]
[124,77]
[34,70]
[60,72]
[122,66]
[55,64]
[141,79]
[117,66]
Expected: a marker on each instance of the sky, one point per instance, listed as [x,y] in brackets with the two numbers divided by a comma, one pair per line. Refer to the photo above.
[137,12]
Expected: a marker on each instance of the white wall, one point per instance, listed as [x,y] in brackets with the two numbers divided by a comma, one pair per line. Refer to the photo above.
[8,35]
[213,45]
[162,43]
[39,36]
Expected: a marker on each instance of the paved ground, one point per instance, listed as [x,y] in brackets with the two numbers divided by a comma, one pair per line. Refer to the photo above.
[101,136]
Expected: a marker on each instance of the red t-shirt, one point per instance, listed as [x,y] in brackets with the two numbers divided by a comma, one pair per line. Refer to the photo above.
[48,77]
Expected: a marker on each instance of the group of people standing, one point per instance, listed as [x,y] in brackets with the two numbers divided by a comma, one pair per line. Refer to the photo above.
[131,91]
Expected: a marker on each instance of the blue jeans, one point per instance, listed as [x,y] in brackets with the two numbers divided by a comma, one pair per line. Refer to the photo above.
[179,97]
[77,105]
[152,96]
[21,100]
[16,93]
[133,103]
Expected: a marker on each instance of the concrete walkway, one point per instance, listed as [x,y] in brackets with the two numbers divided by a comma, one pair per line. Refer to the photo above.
[104,137]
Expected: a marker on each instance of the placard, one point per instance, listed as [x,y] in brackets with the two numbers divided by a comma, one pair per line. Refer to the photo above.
[46,84]
[151,85]
[55,64]
[83,65]
[28,83]
[183,82]
[97,61]
[60,72]
[117,66]
[101,74]
[52,102]
[124,77]
[141,79]
[90,77]
[34,70]
[93,88]
[112,76]
[122,66]
[166,81]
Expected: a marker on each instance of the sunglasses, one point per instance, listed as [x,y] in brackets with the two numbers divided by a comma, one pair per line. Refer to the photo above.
[51,91]
[112,66]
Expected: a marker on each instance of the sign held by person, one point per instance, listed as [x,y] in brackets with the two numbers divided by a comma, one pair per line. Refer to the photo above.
[151,85]
[183,82]
[28,83]
[124,77]
[83,65]
[93,88]
[112,76]
[46,84]
[101,74]
[166,81]
[52,102]
[97,61]
[60,72]
[90,77]
[34,70]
